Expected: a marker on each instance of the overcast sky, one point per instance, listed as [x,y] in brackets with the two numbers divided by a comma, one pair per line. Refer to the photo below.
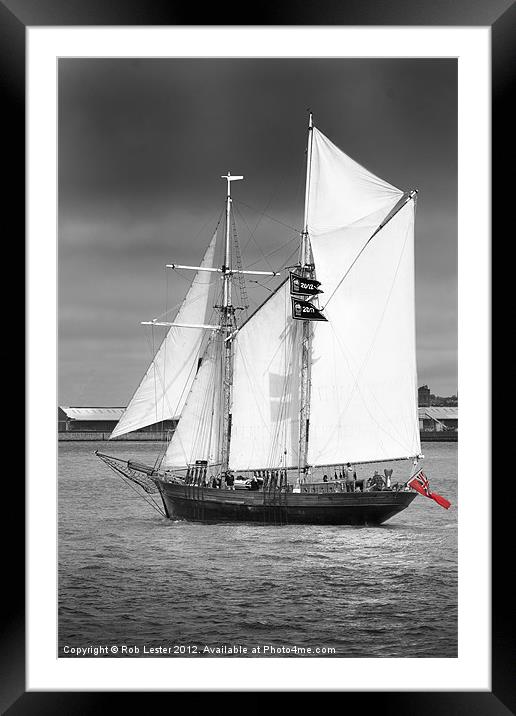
[142,144]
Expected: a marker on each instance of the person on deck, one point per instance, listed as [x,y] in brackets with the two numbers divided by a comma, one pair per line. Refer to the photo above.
[377,482]
[325,478]
[388,475]
[349,477]
[360,484]
[230,480]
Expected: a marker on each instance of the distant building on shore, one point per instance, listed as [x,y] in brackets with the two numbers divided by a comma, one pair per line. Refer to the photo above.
[437,414]
[427,399]
[438,418]
[103,420]
[423,396]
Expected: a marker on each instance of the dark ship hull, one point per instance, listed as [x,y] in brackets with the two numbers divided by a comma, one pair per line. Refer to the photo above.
[204,504]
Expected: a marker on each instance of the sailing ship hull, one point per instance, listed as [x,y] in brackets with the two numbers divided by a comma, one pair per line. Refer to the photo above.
[201,504]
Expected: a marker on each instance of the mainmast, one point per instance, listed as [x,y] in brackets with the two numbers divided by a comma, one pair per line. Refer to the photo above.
[227,327]
[307,270]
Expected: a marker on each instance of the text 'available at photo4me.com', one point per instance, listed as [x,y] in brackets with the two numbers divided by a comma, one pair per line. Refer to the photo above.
[118,650]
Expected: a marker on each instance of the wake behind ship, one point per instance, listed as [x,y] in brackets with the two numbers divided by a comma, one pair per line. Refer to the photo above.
[320,378]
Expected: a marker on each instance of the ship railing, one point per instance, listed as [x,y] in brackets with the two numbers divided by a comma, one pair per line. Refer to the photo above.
[340,487]
[323,487]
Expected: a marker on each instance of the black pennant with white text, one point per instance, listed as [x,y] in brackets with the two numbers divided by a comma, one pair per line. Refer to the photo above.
[305,311]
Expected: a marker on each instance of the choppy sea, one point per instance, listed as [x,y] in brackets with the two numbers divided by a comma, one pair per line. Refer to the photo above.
[131,578]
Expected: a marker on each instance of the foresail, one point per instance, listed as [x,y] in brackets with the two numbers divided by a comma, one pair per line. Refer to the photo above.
[197,436]
[265,408]
[363,378]
[165,386]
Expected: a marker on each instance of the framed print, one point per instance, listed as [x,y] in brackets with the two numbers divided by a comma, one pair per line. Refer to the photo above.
[257,562]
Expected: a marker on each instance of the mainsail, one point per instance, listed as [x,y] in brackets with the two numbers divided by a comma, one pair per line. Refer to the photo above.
[265,408]
[198,433]
[363,377]
[165,386]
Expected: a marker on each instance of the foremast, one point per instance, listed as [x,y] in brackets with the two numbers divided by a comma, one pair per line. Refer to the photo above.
[307,270]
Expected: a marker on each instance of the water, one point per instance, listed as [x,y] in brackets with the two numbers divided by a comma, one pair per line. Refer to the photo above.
[131,578]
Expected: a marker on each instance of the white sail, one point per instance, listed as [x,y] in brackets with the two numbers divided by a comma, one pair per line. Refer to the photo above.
[341,191]
[363,376]
[265,407]
[164,387]
[198,433]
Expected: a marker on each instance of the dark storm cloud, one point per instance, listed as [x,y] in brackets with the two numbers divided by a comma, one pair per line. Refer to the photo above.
[142,144]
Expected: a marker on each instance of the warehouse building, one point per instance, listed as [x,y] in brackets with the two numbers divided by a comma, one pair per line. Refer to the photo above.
[103,420]
[436,419]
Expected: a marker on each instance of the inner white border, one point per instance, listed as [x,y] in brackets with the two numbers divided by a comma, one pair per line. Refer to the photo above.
[471,670]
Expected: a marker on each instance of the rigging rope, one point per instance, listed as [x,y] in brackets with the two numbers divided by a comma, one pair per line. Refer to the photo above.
[251,236]
[125,479]
[241,278]
[278,221]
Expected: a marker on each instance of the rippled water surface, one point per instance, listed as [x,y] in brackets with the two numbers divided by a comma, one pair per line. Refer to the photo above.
[128,576]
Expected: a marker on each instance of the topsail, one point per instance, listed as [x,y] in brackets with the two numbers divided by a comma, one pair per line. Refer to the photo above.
[165,386]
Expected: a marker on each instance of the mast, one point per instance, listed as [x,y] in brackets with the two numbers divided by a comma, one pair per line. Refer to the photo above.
[227,326]
[307,270]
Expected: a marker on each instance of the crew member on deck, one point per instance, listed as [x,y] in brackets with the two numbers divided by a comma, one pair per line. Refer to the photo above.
[388,475]
[377,482]
[350,478]
[230,480]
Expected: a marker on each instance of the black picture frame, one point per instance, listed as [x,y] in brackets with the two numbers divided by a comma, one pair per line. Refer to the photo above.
[15,16]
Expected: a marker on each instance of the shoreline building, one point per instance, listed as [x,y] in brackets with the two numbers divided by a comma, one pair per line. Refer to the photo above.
[426,399]
[101,420]
[423,396]
[438,419]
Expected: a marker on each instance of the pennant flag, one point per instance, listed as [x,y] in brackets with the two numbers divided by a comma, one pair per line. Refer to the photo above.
[301,286]
[305,311]
[419,482]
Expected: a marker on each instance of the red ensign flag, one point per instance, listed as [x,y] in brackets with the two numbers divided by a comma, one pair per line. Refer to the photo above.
[420,483]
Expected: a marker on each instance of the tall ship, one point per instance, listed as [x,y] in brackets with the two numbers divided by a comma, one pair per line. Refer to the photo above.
[283,414]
